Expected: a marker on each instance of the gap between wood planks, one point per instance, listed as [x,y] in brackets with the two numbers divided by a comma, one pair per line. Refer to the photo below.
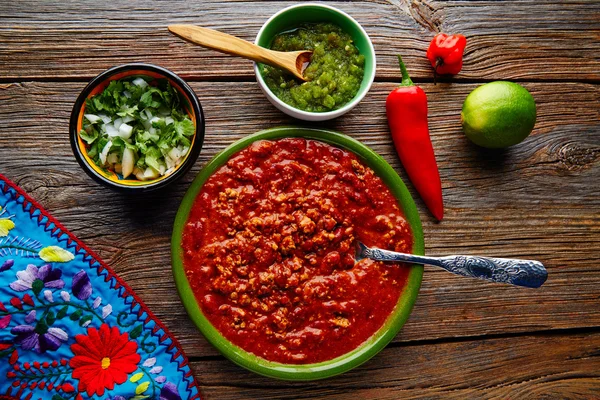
[251,78]
[462,339]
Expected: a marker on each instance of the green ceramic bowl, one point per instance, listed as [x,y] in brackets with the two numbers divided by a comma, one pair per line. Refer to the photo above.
[295,15]
[349,360]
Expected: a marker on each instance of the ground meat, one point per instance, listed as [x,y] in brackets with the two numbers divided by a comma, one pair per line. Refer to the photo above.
[269,250]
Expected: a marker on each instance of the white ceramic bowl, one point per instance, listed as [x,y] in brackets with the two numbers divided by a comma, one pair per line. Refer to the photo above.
[307,13]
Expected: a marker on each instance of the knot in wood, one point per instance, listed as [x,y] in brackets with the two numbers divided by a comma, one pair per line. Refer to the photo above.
[574,156]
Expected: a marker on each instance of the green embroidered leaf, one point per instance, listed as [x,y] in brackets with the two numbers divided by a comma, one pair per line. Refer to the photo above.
[85,319]
[37,286]
[147,346]
[41,327]
[55,254]
[6,352]
[136,377]
[50,318]
[57,397]
[142,387]
[62,312]
[5,226]
[136,332]
[121,317]
[76,315]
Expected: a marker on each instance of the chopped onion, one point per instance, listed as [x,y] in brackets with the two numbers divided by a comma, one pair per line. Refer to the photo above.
[118,123]
[169,171]
[169,120]
[144,175]
[175,153]
[150,173]
[128,162]
[92,118]
[105,118]
[140,82]
[170,162]
[125,131]
[111,130]
[112,158]
[127,94]
[127,119]
[105,151]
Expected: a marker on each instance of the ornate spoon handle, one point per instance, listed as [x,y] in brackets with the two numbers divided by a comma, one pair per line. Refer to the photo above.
[527,273]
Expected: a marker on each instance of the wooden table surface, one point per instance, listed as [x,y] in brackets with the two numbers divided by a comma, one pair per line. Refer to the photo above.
[539,199]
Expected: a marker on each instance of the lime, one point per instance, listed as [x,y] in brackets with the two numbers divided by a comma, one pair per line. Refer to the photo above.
[498,114]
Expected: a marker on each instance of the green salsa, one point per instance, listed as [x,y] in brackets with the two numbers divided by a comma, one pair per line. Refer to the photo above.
[334,74]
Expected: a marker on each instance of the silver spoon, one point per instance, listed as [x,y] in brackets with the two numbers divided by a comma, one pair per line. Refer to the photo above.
[527,273]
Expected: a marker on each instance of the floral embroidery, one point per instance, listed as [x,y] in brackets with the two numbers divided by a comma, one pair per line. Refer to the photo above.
[55,254]
[82,288]
[169,392]
[38,278]
[102,358]
[6,265]
[69,328]
[39,338]
[6,224]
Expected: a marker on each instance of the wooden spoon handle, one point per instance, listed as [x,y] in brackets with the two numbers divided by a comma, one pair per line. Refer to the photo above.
[222,42]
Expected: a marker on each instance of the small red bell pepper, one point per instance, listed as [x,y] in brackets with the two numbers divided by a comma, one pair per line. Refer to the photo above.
[445,53]
[406,109]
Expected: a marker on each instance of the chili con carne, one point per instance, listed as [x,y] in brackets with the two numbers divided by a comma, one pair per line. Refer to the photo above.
[269,250]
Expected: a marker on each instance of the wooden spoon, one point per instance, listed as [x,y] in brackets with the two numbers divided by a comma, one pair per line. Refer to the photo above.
[293,61]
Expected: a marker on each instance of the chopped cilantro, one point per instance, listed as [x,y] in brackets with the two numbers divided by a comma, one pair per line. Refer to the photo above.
[137,126]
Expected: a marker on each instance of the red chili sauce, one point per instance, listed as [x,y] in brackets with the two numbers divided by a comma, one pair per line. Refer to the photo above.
[269,250]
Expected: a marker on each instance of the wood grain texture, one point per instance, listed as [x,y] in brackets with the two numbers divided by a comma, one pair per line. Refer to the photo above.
[540,199]
[518,39]
[465,339]
[529,367]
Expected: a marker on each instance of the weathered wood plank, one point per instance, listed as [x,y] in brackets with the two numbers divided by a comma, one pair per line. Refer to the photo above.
[531,367]
[507,40]
[538,200]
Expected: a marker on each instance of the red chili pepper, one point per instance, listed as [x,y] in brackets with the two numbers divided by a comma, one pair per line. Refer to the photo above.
[406,110]
[445,53]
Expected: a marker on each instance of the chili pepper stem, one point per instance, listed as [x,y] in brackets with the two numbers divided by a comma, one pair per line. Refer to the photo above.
[439,61]
[406,81]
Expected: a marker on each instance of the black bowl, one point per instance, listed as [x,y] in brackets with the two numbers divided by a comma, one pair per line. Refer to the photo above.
[109,178]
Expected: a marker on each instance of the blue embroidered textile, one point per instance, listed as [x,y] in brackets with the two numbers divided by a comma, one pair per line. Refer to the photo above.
[70,328]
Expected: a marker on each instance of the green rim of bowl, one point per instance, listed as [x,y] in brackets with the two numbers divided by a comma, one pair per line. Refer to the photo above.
[342,363]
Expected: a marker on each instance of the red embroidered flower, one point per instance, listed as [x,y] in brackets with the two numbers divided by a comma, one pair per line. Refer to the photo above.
[102,358]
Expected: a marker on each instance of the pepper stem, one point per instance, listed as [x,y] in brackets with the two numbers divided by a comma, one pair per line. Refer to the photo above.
[439,61]
[406,81]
